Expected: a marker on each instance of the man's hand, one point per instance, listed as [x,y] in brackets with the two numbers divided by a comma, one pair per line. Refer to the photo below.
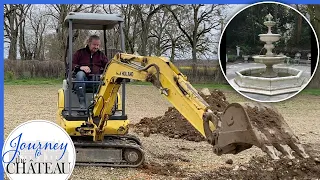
[85,69]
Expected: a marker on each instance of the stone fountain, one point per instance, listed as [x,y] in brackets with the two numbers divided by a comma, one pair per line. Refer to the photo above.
[269,80]
[269,59]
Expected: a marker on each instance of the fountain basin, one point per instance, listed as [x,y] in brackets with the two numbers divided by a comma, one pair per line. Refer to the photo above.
[269,23]
[269,60]
[291,80]
[269,37]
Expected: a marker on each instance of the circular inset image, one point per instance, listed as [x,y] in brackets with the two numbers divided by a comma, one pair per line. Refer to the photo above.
[38,149]
[268,52]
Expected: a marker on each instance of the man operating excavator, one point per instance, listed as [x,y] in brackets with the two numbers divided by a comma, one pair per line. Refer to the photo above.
[85,61]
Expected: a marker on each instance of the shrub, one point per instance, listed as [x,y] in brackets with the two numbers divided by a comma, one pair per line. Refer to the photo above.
[9,76]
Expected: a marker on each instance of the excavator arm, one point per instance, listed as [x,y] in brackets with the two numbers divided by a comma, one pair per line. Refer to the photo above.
[238,128]
[163,74]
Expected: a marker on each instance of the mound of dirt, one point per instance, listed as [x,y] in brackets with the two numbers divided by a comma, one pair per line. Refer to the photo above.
[267,120]
[174,125]
[263,117]
[264,168]
[217,100]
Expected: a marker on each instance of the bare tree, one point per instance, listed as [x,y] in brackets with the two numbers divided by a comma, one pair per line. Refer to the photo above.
[113,40]
[131,27]
[158,33]
[32,39]
[14,16]
[145,14]
[176,42]
[59,13]
[165,35]
[196,22]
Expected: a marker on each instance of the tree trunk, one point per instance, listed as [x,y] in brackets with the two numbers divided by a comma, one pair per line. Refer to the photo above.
[158,47]
[145,25]
[144,41]
[194,61]
[13,45]
[151,47]
[173,48]
[22,47]
[195,40]
[299,24]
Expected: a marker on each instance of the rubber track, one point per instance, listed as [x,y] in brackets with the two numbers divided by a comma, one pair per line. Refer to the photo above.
[119,142]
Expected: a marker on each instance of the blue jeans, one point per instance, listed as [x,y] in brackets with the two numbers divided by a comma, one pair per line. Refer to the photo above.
[80,88]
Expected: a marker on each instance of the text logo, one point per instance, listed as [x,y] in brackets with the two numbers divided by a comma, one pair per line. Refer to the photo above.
[125,73]
[38,149]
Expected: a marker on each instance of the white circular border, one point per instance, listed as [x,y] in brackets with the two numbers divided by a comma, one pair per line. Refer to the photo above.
[268,2]
[45,121]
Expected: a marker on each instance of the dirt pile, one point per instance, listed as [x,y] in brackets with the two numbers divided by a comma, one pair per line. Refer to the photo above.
[270,123]
[174,125]
[265,117]
[217,100]
[267,169]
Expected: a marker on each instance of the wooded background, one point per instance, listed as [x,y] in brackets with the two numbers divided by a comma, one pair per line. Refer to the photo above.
[36,39]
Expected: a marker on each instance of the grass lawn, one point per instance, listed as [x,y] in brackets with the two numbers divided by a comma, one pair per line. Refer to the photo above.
[34,81]
[45,81]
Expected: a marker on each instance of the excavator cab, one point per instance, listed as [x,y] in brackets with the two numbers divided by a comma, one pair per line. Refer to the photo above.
[70,104]
[113,146]
[89,21]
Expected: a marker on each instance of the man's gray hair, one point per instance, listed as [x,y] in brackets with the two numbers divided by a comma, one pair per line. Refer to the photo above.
[93,37]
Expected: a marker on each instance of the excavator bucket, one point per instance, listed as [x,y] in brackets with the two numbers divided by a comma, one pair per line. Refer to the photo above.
[243,125]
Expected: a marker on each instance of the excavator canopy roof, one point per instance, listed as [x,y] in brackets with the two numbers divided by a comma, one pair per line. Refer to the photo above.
[92,21]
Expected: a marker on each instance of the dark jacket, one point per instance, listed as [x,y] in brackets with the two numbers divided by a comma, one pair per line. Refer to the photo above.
[96,63]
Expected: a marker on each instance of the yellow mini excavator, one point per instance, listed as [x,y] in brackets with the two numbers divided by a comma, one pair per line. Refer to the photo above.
[100,132]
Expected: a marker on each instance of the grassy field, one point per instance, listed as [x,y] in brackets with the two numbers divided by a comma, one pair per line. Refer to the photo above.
[43,81]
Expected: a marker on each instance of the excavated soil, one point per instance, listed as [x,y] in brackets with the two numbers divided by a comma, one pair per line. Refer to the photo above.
[263,117]
[269,122]
[268,169]
[174,125]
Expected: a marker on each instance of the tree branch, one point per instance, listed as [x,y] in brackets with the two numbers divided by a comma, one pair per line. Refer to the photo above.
[179,25]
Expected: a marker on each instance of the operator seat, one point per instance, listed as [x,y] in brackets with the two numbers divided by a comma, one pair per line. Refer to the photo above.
[90,94]
[91,90]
